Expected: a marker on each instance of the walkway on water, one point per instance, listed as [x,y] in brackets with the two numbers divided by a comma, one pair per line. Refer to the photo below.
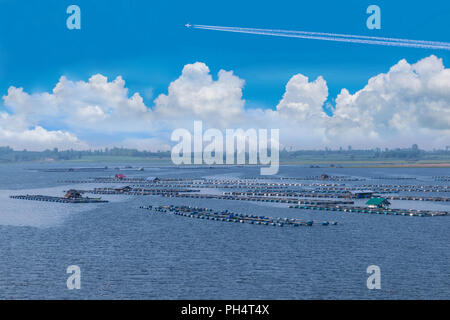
[181,193]
[258,199]
[58,199]
[395,212]
[283,187]
[138,191]
[344,195]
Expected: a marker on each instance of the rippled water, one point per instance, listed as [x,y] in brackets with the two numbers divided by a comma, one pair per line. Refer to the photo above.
[126,252]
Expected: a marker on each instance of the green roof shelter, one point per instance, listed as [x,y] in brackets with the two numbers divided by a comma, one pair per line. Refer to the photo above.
[378,203]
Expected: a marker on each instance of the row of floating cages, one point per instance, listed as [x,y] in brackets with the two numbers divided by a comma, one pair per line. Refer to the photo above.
[209,214]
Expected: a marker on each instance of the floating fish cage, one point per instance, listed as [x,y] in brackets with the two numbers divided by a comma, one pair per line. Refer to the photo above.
[321,194]
[332,193]
[138,191]
[402,212]
[441,178]
[228,216]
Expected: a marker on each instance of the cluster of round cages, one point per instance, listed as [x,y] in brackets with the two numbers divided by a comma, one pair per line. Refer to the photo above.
[227,216]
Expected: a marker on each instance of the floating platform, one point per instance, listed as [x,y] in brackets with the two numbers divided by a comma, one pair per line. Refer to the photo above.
[254,198]
[345,195]
[58,199]
[138,191]
[228,216]
[125,180]
[441,178]
[321,178]
[268,186]
[395,212]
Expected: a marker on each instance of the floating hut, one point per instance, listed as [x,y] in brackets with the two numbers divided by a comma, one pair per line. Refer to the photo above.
[73,194]
[378,203]
[124,189]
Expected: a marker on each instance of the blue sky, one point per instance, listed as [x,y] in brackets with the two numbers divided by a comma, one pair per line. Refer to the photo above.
[147,44]
[146,41]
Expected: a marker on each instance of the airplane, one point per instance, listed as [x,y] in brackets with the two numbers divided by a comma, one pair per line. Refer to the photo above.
[187,25]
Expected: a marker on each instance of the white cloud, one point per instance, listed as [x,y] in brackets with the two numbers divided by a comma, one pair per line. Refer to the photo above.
[408,104]
[81,104]
[36,138]
[303,99]
[195,95]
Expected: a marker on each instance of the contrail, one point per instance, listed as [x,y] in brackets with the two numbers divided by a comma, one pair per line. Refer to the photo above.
[333,37]
[199,26]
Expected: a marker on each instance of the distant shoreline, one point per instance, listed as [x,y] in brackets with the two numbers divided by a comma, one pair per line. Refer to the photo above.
[409,165]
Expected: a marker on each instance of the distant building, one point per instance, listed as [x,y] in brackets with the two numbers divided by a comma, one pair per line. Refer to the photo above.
[378,203]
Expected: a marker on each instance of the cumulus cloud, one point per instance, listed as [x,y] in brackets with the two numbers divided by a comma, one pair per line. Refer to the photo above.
[408,104]
[81,104]
[35,138]
[195,95]
[303,99]
[411,102]
[97,105]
